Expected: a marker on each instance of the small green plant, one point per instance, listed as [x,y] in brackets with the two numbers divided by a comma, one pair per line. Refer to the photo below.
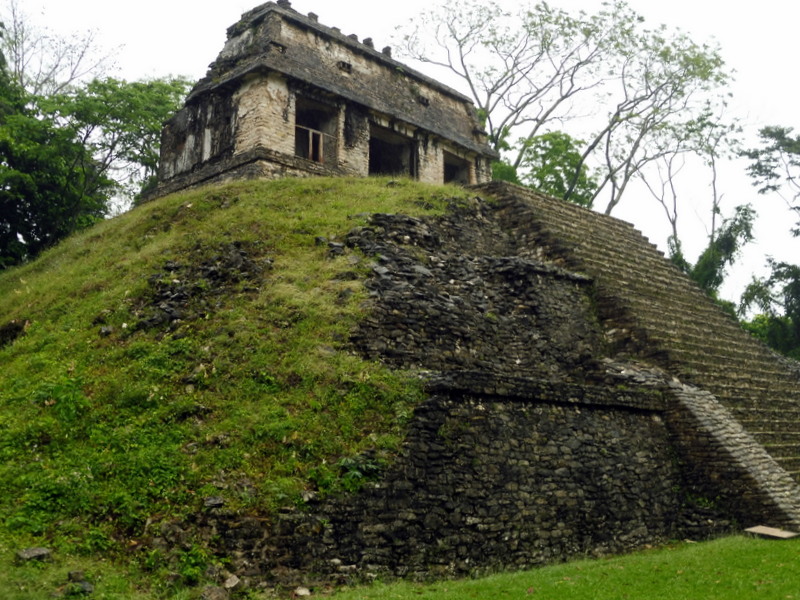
[356,471]
[192,564]
[63,397]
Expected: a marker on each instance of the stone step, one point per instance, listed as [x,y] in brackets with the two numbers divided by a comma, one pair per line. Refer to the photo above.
[753,398]
[687,303]
[759,371]
[696,302]
[659,306]
[726,376]
[778,437]
[596,235]
[736,342]
[783,451]
[759,426]
[745,408]
[585,244]
[605,257]
[564,212]
[736,349]
[766,419]
[552,210]
[767,387]
[795,474]
[788,463]
[657,303]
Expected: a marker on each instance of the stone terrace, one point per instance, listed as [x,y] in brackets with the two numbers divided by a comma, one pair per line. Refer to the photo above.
[653,311]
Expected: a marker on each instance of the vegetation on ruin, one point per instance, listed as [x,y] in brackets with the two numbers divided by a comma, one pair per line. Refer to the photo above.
[195,346]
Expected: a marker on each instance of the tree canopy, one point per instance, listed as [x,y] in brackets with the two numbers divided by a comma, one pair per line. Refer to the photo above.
[69,146]
[633,94]
[49,184]
[550,162]
[775,168]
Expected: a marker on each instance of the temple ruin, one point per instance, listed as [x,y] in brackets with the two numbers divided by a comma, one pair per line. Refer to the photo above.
[288,96]
[583,396]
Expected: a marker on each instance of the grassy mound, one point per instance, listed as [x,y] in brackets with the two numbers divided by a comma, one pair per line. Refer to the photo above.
[192,348]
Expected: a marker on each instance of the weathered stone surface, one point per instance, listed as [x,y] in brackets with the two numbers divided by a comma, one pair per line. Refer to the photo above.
[79,588]
[557,421]
[34,554]
[214,593]
[288,96]
[771,532]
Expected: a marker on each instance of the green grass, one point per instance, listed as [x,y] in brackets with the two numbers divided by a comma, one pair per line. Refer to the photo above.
[253,395]
[735,568]
[107,427]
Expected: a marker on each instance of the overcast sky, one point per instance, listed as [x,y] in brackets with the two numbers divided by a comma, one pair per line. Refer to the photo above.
[181,37]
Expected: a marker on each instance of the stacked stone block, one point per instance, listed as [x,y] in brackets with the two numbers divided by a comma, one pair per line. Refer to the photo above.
[652,310]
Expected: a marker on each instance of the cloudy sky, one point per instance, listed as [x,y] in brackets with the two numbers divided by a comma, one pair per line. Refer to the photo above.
[181,37]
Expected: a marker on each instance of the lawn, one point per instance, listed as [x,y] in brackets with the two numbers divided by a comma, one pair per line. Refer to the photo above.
[729,568]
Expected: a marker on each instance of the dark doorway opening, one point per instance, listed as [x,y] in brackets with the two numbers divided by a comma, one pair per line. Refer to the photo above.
[391,153]
[456,170]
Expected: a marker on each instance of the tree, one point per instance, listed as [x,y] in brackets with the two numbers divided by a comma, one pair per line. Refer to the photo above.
[120,125]
[723,249]
[549,163]
[3,63]
[64,157]
[775,166]
[66,154]
[49,184]
[708,139]
[777,297]
[665,85]
[44,63]
[521,70]
[629,91]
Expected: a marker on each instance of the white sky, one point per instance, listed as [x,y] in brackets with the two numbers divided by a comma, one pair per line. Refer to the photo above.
[182,37]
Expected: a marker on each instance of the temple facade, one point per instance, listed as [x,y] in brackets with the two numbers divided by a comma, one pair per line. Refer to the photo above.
[288,96]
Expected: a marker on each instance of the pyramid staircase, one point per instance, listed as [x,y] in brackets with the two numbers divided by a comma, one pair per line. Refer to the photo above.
[650,309]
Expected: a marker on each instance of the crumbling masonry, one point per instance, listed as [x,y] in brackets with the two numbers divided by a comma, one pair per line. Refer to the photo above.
[288,96]
[584,396]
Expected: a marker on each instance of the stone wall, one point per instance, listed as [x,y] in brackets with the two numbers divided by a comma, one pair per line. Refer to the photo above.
[444,306]
[275,57]
[265,115]
[484,483]
[650,309]
[540,440]
[259,163]
[198,133]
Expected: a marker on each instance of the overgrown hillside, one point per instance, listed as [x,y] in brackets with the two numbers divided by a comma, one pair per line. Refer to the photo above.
[192,349]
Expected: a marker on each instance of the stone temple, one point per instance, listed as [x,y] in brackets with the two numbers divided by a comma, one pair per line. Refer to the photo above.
[582,396]
[288,96]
